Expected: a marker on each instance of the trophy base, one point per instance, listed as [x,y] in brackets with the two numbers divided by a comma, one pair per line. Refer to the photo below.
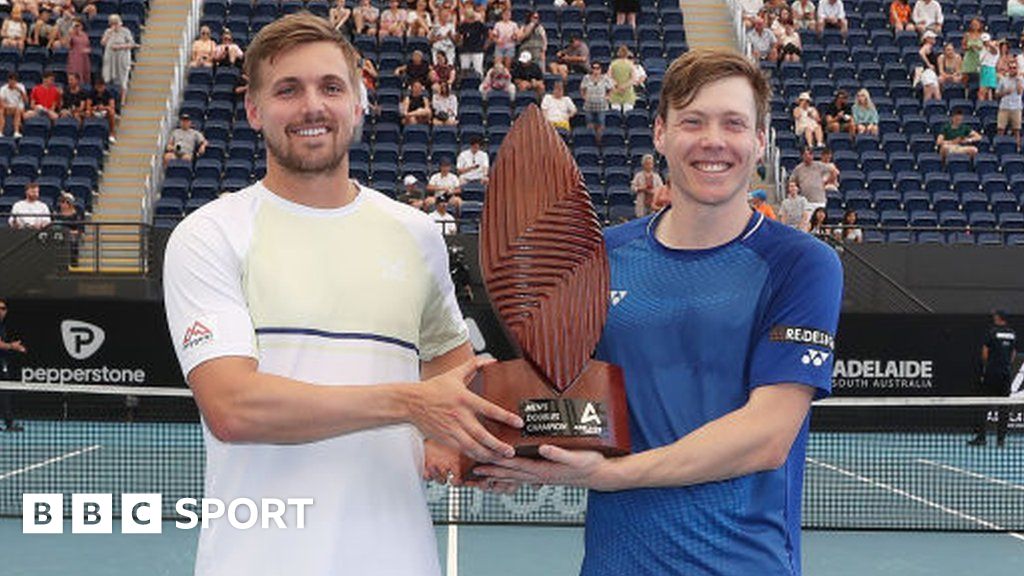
[591,414]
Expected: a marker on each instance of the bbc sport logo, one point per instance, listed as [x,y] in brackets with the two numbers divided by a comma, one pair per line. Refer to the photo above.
[142,513]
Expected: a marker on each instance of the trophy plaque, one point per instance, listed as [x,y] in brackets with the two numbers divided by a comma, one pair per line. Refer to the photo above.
[545,268]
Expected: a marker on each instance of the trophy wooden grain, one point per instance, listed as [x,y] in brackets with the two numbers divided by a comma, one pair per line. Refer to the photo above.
[545,269]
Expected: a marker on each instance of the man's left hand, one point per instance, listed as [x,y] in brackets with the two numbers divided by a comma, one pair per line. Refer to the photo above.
[584,468]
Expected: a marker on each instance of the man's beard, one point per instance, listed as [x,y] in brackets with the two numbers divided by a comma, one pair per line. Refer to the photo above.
[298,163]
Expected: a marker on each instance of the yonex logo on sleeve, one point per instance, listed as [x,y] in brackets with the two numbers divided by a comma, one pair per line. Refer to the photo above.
[815,357]
[618,296]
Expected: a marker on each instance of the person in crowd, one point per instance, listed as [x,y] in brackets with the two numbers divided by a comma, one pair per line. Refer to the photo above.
[415,107]
[622,71]
[343,19]
[1009,93]
[807,121]
[762,42]
[1005,57]
[365,17]
[997,357]
[203,49]
[988,78]
[31,213]
[498,79]
[473,164]
[789,45]
[505,34]
[832,14]
[447,183]
[184,142]
[805,15]
[14,100]
[393,21]
[899,16]
[527,75]
[533,38]
[445,107]
[411,193]
[809,176]
[957,137]
[443,218]
[950,68]
[558,108]
[818,223]
[417,69]
[79,51]
[228,52]
[44,100]
[927,16]
[42,31]
[865,115]
[574,58]
[118,43]
[848,232]
[794,210]
[8,348]
[646,183]
[74,102]
[442,36]
[418,20]
[928,59]
[14,32]
[594,88]
[102,104]
[625,11]
[831,182]
[759,202]
[839,114]
[472,40]
[1015,8]
[972,46]
[442,72]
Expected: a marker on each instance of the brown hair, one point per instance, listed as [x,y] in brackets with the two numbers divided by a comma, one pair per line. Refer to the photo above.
[294,30]
[697,68]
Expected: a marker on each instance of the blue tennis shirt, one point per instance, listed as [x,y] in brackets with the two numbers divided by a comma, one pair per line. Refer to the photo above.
[694,332]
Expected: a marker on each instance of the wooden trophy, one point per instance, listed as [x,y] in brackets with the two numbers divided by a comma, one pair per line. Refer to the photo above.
[545,269]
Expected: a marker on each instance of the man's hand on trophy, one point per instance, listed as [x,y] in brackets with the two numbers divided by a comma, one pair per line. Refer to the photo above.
[584,468]
[441,465]
[446,412]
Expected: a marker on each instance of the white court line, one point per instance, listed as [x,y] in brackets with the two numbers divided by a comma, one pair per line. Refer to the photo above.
[915,498]
[971,474]
[452,566]
[49,461]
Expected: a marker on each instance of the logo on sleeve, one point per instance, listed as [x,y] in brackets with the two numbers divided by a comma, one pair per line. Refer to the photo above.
[815,357]
[200,332]
[797,335]
[618,296]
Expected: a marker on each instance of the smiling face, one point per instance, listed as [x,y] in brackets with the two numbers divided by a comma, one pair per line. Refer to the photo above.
[307,108]
[713,143]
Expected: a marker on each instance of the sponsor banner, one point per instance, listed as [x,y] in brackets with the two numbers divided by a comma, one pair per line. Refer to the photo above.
[92,342]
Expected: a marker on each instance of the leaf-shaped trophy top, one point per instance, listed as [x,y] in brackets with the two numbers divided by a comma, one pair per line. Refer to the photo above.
[542,251]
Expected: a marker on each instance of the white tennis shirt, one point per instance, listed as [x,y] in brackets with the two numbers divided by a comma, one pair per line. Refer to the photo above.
[355,295]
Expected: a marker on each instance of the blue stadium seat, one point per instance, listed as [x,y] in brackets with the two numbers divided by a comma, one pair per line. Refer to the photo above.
[981,220]
[931,237]
[1004,202]
[1011,221]
[916,200]
[972,202]
[962,238]
[965,182]
[952,219]
[936,182]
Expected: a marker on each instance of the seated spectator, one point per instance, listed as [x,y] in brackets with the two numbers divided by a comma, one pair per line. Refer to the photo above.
[848,232]
[75,100]
[471,40]
[778,25]
[185,142]
[65,18]
[809,176]
[558,108]
[950,64]
[411,193]
[1015,8]
[505,34]
[416,70]
[365,17]
[645,184]
[442,36]
[594,89]
[418,21]
[14,31]
[759,202]
[227,53]
[473,164]
[957,137]
[30,213]
[817,225]
[495,8]
[102,104]
[927,15]
[68,219]
[415,107]
[831,177]
[442,72]
[832,14]
[42,31]
[527,75]
[622,71]
[445,107]
[445,182]
[392,21]
[574,58]
[1009,93]
[789,45]
[762,42]
[865,115]
[899,16]
[794,210]
[45,99]
[807,121]
[449,227]
[928,68]
[342,19]
[805,15]
[14,100]
[203,49]
[533,38]
[498,79]
[839,115]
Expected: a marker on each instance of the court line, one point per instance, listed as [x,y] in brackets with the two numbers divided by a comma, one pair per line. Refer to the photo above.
[49,461]
[971,474]
[452,556]
[915,498]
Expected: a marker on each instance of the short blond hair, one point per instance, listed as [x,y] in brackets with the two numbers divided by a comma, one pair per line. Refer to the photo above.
[294,30]
[697,68]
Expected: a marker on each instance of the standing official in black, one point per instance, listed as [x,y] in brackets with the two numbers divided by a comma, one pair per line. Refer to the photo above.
[997,357]
[7,349]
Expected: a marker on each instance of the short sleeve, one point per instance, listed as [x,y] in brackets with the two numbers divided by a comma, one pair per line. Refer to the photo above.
[795,340]
[442,327]
[206,308]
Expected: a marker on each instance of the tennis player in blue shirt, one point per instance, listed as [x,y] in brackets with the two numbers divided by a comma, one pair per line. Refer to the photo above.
[723,322]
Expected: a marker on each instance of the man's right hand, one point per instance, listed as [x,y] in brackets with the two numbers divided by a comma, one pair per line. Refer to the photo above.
[446,412]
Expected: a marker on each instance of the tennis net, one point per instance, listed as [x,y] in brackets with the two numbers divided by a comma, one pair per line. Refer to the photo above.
[890,464]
